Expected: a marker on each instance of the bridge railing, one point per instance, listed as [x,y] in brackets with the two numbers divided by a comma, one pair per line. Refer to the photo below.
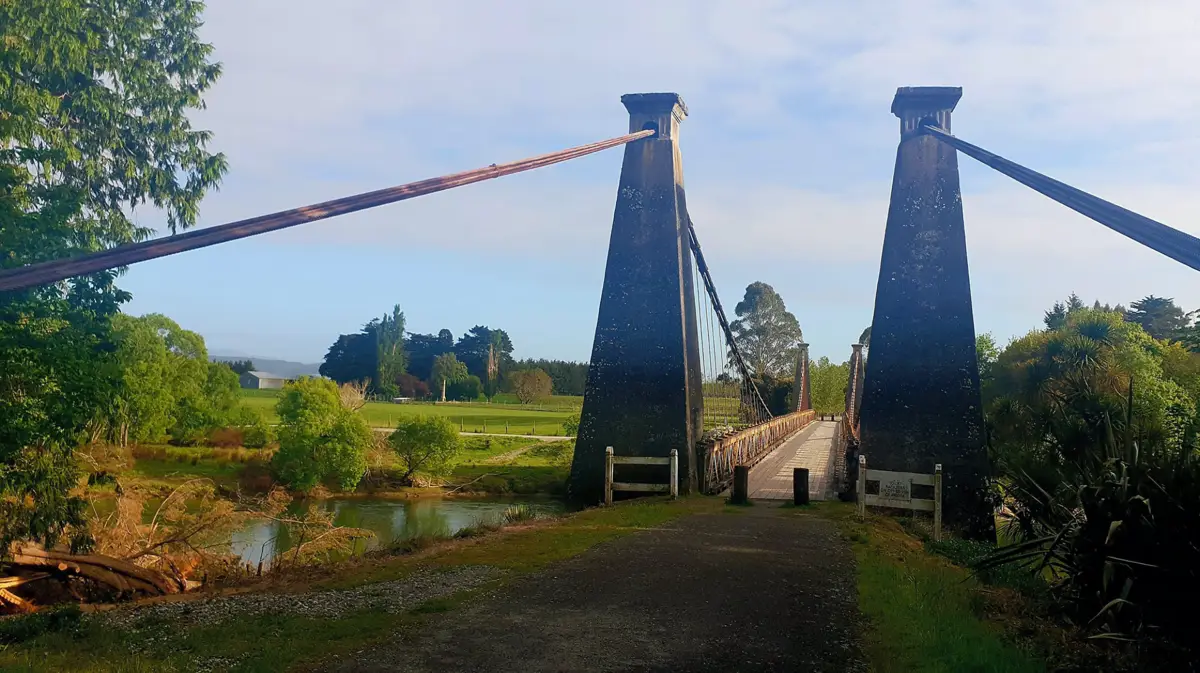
[746,447]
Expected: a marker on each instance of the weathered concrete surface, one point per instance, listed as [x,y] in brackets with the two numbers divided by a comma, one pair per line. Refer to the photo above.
[812,448]
[921,402]
[766,590]
[643,395]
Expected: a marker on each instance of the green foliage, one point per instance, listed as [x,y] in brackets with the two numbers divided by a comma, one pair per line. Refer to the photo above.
[986,353]
[567,378]
[571,425]
[529,385]
[95,122]
[428,444]
[446,368]
[487,353]
[375,354]
[1093,429]
[766,333]
[423,349]
[240,367]
[319,439]
[468,389]
[258,434]
[1159,316]
[828,385]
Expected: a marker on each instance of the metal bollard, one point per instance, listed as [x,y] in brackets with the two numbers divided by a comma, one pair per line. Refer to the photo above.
[800,486]
[741,485]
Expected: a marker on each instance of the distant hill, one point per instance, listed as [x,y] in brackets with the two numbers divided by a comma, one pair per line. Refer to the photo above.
[283,368]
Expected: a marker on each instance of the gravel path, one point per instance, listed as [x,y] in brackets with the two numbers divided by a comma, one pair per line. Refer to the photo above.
[763,589]
[395,596]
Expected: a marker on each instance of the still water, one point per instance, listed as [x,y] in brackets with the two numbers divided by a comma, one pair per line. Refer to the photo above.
[390,520]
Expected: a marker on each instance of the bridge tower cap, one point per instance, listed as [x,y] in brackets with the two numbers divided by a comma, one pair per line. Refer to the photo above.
[655,103]
[924,100]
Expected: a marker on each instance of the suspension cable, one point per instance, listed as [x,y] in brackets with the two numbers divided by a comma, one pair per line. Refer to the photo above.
[716,301]
[1178,245]
[61,269]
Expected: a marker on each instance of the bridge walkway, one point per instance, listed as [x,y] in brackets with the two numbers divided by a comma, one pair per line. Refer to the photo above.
[812,447]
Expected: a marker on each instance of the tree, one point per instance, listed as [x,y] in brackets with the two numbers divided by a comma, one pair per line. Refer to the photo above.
[319,438]
[530,385]
[447,369]
[95,122]
[428,444]
[424,348]
[765,332]
[240,367]
[375,354]
[390,359]
[1056,317]
[567,378]
[481,346]
[828,385]
[411,386]
[1159,316]
[986,353]
[865,337]
[466,389]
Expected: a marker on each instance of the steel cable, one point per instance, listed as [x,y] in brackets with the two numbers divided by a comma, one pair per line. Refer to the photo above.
[1178,245]
[61,269]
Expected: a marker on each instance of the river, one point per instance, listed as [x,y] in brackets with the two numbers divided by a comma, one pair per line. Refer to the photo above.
[389,519]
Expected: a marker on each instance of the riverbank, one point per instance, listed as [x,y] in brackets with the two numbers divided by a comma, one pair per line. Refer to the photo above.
[805,588]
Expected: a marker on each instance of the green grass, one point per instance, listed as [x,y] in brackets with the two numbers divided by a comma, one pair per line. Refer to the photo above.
[471,417]
[279,642]
[926,614]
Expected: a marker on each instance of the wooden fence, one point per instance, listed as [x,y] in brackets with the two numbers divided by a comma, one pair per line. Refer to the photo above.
[610,460]
[747,447]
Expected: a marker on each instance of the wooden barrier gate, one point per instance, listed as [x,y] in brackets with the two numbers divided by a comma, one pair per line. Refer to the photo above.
[895,490]
[609,485]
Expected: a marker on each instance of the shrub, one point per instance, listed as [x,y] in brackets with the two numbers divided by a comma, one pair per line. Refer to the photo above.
[427,444]
[319,439]
[571,425]
[257,435]
[226,438]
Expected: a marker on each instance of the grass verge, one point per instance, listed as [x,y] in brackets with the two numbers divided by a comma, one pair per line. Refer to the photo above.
[926,614]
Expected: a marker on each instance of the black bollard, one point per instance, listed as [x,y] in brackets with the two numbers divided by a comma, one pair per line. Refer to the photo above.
[741,485]
[800,486]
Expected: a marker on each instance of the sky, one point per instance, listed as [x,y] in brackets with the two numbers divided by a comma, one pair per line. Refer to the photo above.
[787,157]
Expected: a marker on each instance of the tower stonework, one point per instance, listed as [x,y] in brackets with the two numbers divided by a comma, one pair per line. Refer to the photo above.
[643,395]
[921,402]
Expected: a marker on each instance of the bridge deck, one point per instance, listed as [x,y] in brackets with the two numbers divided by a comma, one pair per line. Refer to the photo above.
[812,447]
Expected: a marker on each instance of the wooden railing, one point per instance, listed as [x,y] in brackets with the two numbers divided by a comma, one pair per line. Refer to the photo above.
[746,447]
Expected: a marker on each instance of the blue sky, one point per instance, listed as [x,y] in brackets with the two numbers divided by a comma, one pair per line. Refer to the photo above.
[787,157]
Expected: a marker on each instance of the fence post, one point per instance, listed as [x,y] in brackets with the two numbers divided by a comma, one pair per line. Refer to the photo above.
[461,424]
[485,425]
[608,475]
[862,486]
[674,473]
[800,486]
[506,427]
[741,485]
[937,502]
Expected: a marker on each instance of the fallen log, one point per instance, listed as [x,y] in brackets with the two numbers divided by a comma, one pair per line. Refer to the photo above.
[122,576]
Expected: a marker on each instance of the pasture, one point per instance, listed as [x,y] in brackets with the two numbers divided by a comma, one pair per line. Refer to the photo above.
[543,419]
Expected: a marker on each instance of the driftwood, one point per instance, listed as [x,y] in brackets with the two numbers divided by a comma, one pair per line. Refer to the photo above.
[115,573]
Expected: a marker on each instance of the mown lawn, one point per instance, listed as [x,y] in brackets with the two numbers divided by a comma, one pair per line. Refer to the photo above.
[498,418]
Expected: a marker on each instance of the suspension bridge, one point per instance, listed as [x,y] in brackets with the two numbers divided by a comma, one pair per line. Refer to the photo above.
[666,374]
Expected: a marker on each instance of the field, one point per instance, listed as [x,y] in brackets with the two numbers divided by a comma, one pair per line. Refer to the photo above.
[500,416]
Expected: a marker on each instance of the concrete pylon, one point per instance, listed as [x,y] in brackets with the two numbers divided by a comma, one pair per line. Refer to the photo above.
[801,386]
[643,395]
[854,385]
[921,403]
